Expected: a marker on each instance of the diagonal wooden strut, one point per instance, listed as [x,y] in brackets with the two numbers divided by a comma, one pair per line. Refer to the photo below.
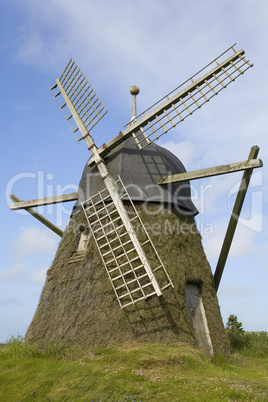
[248,167]
[234,219]
[39,217]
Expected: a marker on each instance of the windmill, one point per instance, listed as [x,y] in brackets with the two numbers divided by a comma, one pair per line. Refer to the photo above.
[132,261]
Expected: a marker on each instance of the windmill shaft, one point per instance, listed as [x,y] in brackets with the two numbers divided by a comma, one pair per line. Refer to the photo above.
[110,187]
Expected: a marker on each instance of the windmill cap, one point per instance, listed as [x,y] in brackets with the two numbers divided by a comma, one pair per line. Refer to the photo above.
[139,171]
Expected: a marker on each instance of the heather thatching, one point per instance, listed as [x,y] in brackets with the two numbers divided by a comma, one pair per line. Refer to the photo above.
[78,303]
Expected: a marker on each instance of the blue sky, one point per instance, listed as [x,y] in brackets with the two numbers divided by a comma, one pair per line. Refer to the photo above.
[156,45]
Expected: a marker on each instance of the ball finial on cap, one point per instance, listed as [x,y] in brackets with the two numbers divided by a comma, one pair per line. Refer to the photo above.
[134,90]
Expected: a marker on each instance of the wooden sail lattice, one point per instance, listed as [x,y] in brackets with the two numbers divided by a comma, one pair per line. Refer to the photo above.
[193,94]
[181,102]
[82,97]
[129,277]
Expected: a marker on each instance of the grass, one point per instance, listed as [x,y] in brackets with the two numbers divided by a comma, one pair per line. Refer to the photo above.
[129,372]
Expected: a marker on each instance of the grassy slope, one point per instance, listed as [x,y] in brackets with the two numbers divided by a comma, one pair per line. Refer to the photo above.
[134,372]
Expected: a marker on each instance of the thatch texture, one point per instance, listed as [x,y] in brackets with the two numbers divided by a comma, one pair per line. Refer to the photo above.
[78,303]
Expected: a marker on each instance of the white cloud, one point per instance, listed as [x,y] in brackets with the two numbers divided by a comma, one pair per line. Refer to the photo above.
[39,277]
[17,270]
[23,271]
[244,241]
[231,291]
[252,222]
[35,241]
[123,36]
[5,301]
[32,48]
[261,256]
[185,150]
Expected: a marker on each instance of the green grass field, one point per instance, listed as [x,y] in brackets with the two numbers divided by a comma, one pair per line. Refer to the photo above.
[130,372]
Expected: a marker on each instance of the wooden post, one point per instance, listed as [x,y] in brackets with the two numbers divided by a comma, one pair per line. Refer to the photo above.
[209,172]
[39,217]
[43,201]
[234,219]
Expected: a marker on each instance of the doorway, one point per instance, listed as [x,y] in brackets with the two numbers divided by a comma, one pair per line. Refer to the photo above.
[197,317]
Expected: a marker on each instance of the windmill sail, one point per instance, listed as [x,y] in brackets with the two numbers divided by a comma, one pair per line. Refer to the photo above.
[195,92]
[127,272]
[183,101]
[86,110]
[82,97]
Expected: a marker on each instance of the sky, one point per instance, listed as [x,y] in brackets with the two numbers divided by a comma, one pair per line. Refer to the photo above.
[156,45]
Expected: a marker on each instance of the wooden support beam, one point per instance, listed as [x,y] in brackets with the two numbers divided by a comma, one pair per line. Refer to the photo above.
[43,201]
[39,217]
[234,219]
[213,171]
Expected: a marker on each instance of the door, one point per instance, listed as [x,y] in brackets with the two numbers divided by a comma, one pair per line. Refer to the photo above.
[198,319]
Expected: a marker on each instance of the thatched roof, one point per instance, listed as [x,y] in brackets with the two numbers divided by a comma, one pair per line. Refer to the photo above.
[78,303]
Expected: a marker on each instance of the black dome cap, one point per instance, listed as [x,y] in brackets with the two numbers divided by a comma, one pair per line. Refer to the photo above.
[139,171]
